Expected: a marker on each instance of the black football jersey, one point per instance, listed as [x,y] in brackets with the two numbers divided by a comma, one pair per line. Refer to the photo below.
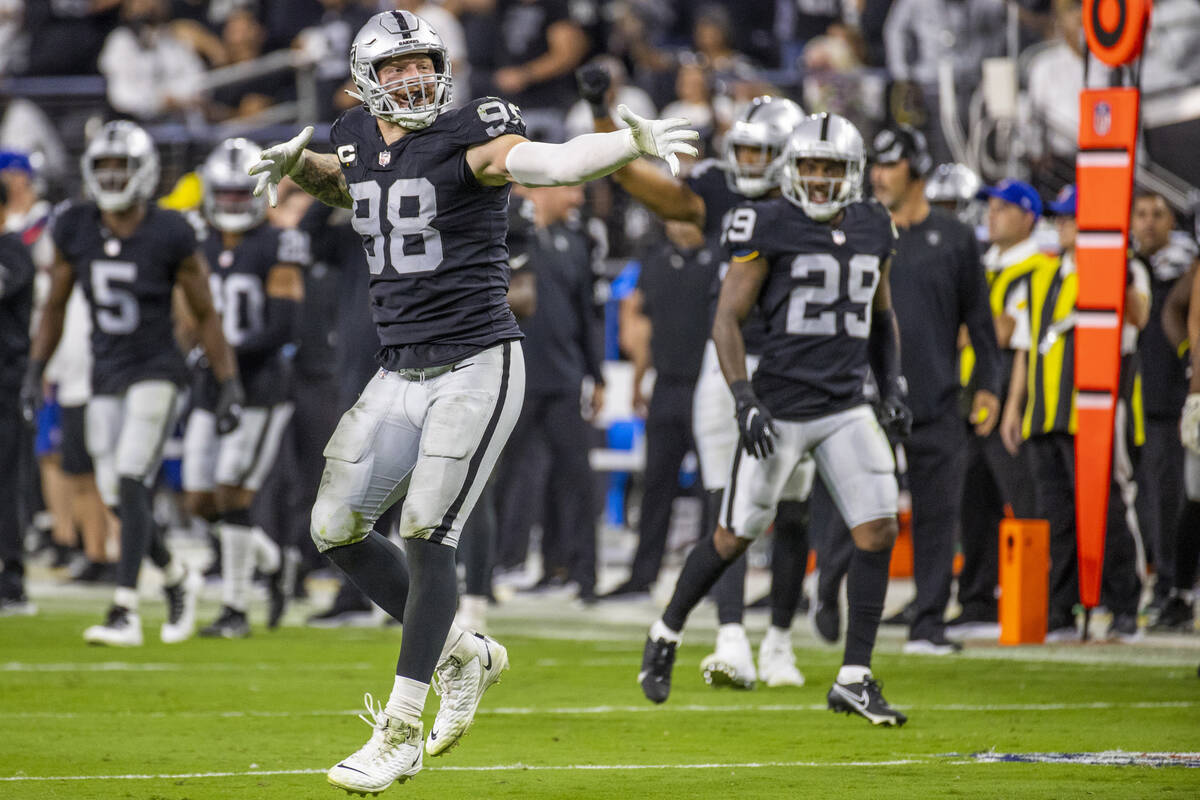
[128,284]
[238,280]
[709,180]
[434,236]
[817,301]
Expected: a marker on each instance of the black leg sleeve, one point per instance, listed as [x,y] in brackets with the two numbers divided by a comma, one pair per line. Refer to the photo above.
[377,567]
[789,561]
[432,601]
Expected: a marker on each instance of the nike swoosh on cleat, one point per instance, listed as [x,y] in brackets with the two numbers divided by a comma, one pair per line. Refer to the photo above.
[433,736]
[859,702]
[487,650]
[352,769]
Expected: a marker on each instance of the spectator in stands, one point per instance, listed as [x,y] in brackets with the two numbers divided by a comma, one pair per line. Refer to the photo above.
[694,100]
[66,36]
[620,92]
[326,44]
[151,74]
[919,35]
[711,38]
[242,37]
[14,44]
[540,45]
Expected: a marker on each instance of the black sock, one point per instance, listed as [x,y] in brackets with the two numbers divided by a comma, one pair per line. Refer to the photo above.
[137,528]
[866,586]
[1187,545]
[789,561]
[729,593]
[156,548]
[703,567]
[432,597]
[377,567]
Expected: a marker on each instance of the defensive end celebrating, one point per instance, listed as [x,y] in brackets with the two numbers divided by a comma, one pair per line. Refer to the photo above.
[429,190]
[816,262]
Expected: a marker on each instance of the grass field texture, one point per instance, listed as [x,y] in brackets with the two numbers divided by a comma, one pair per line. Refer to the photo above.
[264,718]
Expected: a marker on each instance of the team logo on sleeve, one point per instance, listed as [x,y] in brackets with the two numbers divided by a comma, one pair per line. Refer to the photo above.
[347,155]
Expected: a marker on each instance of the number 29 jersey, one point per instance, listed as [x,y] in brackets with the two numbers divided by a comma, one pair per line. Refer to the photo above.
[816,299]
[128,284]
[434,236]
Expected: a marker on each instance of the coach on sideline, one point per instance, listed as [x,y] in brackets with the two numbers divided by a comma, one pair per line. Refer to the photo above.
[938,285]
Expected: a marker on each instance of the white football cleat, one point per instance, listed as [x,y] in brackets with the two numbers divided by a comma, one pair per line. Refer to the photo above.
[393,753]
[122,628]
[460,680]
[181,609]
[777,661]
[732,664]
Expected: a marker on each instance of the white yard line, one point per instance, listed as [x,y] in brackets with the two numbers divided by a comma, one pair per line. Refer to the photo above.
[523,711]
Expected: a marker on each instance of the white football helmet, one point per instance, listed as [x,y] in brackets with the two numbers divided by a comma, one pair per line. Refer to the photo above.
[119,188]
[765,125]
[395,33]
[229,201]
[829,137]
[952,183]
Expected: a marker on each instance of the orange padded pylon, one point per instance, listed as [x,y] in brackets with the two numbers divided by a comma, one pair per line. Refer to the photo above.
[901,565]
[1024,580]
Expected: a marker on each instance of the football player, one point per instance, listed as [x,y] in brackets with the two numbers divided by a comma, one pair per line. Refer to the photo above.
[749,168]
[129,255]
[257,287]
[815,261]
[429,190]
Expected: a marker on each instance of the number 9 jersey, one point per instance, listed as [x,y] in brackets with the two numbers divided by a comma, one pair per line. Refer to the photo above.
[434,236]
[817,300]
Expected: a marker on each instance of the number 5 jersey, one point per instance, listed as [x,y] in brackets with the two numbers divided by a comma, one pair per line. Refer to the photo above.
[434,236]
[128,284]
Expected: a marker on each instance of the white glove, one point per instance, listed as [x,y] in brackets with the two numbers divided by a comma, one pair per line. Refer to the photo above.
[664,138]
[1189,423]
[278,161]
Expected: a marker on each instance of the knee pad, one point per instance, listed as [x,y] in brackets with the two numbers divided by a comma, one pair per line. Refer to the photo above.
[335,524]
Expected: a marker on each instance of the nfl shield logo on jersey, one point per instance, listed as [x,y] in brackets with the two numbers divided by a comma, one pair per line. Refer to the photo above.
[385,158]
[839,237]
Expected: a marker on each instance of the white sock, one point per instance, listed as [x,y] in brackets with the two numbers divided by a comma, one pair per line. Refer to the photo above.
[126,598]
[173,572]
[407,699]
[659,630]
[853,674]
[458,643]
[781,635]
[267,555]
[237,564]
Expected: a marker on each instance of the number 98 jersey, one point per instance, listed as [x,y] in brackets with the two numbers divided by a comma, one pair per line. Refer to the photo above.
[434,236]
[817,300]
[128,283]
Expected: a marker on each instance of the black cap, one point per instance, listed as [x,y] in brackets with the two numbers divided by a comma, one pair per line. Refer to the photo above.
[902,142]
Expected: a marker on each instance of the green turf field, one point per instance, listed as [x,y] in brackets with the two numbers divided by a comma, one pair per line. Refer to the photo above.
[264,718]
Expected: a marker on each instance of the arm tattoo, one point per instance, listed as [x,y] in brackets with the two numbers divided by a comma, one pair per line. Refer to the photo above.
[320,175]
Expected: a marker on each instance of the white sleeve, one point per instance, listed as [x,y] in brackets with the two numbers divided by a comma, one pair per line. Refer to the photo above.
[1017,307]
[577,160]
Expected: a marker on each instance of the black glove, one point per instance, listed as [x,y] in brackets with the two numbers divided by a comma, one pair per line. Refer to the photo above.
[229,405]
[756,428]
[594,80]
[895,417]
[31,391]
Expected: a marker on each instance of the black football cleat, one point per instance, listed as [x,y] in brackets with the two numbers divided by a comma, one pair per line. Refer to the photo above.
[657,661]
[866,700]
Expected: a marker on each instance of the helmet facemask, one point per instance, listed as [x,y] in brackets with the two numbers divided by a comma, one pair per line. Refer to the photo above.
[754,177]
[120,167]
[821,197]
[411,102]
[229,201]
